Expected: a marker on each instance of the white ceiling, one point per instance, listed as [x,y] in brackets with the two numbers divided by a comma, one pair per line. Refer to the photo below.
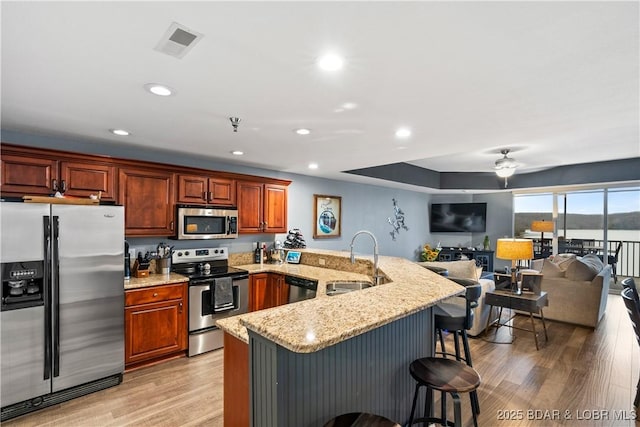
[557,82]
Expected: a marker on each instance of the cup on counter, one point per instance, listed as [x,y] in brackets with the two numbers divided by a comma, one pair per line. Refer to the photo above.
[163,265]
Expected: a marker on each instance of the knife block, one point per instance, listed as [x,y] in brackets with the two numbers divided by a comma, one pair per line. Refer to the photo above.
[140,270]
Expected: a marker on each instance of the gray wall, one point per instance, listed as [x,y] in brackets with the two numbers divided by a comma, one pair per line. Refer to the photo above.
[363,206]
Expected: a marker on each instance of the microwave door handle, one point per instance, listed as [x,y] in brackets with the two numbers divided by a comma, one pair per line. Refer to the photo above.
[228,225]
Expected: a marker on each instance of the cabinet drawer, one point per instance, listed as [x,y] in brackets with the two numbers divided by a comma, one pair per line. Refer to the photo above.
[154,294]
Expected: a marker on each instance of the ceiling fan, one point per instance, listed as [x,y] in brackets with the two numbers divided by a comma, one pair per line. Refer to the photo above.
[506,166]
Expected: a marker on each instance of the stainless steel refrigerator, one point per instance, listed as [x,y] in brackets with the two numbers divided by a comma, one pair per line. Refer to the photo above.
[62,325]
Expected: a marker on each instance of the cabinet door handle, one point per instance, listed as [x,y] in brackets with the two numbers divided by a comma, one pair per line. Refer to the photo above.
[264,226]
[54,184]
[180,307]
[63,186]
[204,196]
[171,225]
[155,294]
[210,196]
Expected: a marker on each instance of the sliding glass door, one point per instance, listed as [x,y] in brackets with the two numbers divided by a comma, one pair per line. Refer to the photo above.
[605,222]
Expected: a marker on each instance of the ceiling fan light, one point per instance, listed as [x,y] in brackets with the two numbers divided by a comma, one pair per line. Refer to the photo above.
[505,172]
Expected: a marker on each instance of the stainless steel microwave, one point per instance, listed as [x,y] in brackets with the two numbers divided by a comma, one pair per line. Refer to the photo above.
[203,222]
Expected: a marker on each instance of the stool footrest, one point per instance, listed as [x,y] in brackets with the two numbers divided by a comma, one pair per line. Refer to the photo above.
[432,420]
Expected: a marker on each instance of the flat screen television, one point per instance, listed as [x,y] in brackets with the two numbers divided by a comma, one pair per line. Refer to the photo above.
[458,217]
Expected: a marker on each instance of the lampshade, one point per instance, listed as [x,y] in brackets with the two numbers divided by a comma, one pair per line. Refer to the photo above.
[543,226]
[514,249]
[505,172]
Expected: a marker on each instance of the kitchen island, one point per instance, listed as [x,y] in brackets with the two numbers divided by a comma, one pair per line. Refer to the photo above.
[318,358]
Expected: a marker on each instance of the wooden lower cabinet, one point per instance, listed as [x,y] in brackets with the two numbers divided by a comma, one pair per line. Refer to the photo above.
[267,290]
[236,382]
[155,324]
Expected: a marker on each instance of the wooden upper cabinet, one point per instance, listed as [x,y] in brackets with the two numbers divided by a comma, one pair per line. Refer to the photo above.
[84,179]
[203,190]
[148,198]
[223,191]
[192,189]
[28,175]
[275,208]
[262,208]
[250,207]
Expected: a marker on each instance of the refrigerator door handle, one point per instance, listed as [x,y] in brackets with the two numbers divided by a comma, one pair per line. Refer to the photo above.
[46,222]
[55,300]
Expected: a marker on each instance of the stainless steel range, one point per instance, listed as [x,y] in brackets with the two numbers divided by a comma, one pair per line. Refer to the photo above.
[216,291]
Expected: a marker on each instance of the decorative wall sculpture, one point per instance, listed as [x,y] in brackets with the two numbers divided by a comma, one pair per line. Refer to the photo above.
[398,220]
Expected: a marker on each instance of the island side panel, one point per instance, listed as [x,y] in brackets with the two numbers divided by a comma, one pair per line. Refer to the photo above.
[236,382]
[368,373]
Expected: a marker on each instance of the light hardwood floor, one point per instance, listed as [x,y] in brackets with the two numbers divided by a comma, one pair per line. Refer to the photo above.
[579,372]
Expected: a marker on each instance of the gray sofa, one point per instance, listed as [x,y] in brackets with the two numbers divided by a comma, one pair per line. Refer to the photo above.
[577,288]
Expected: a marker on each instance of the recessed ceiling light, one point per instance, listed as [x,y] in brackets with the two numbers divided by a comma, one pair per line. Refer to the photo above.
[303,131]
[160,90]
[330,62]
[403,133]
[349,105]
[237,153]
[313,166]
[120,132]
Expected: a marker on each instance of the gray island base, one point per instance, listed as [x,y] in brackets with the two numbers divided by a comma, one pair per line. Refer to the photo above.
[366,373]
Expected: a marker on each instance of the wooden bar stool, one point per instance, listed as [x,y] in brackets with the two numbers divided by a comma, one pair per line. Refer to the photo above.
[447,376]
[360,419]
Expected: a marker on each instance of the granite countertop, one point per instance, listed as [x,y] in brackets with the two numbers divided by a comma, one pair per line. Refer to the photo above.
[311,325]
[154,280]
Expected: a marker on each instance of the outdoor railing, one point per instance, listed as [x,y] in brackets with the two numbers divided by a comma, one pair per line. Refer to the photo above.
[628,264]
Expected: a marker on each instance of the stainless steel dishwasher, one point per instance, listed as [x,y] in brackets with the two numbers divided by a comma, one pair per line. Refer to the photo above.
[300,289]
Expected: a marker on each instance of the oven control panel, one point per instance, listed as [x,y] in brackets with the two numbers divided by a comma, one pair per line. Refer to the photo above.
[181,256]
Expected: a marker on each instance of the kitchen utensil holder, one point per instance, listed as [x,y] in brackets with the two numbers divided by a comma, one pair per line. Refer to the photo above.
[163,265]
[140,270]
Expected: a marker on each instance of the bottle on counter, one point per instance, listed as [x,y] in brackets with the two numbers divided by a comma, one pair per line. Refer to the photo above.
[257,254]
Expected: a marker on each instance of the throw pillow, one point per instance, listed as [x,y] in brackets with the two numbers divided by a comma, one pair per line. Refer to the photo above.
[478,272]
[459,269]
[581,271]
[563,261]
[594,261]
[550,269]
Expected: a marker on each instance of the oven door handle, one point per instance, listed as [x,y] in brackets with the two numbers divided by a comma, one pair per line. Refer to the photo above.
[201,282]
[223,309]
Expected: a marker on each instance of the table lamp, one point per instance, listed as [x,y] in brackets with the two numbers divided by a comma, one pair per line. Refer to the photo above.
[514,250]
[542,226]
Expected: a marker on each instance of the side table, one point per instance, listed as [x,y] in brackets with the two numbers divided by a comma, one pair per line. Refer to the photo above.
[527,301]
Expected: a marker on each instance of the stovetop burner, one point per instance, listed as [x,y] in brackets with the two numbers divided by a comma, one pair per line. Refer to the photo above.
[204,263]
[194,273]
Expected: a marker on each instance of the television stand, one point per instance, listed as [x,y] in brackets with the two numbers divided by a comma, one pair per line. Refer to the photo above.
[482,257]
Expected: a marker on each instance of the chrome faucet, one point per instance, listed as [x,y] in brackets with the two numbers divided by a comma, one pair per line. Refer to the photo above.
[376,276]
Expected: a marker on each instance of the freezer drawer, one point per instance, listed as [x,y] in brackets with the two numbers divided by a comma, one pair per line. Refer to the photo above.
[23,358]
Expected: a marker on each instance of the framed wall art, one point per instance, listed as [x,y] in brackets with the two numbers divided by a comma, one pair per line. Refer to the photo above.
[327,216]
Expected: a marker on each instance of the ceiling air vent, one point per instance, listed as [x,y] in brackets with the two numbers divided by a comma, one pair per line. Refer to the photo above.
[178,40]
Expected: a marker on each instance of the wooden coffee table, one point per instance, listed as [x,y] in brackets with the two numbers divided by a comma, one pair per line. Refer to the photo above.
[527,301]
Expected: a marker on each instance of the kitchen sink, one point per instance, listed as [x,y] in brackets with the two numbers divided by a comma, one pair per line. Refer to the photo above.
[338,287]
